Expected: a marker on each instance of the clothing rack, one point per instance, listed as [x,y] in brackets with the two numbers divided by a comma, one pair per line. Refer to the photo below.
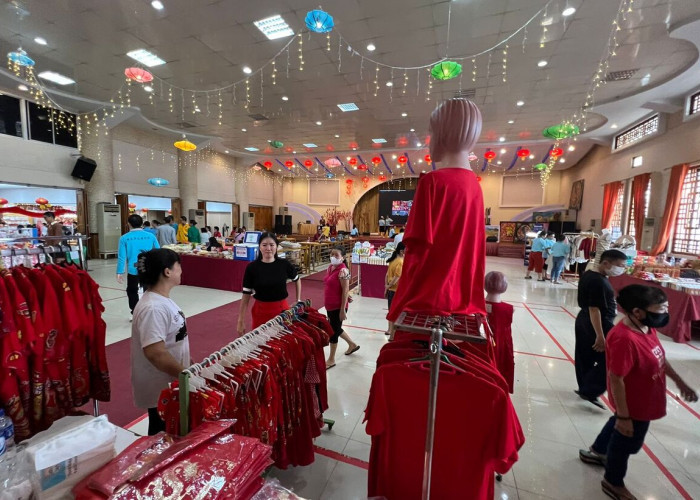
[195,369]
[467,328]
[590,235]
[43,249]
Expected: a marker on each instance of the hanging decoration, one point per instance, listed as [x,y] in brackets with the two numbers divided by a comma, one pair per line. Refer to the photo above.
[42,202]
[3,201]
[381,178]
[158,181]
[308,163]
[257,167]
[428,159]
[556,152]
[402,160]
[561,131]
[353,145]
[376,161]
[540,166]
[20,58]
[365,182]
[289,164]
[352,161]
[490,155]
[267,165]
[319,21]
[332,162]
[348,186]
[473,157]
[132,206]
[446,70]
[276,144]
[523,153]
[185,145]
[362,166]
[139,75]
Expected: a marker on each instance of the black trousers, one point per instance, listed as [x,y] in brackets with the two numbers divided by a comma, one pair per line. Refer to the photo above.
[590,365]
[618,448]
[132,290]
[155,423]
[336,324]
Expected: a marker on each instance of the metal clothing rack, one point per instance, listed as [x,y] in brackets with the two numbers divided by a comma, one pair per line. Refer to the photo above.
[195,369]
[44,249]
[589,234]
[467,328]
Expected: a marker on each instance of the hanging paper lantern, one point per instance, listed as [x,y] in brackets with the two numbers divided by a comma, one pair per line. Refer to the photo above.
[523,153]
[3,201]
[289,164]
[352,161]
[353,145]
[490,155]
[330,147]
[308,163]
[41,201]
[185,145]
[139,75]
[267,165]
[362,167]
[267,150]
[446,70]
[332,162]
[540,167]
[276,144]
[365,182]
[20,58]
[428,159]
[381,177]
[349,182]
[402,142]
[556,152]
[158,181]
[288,149]
[561,131]
[473,157]
[402,159]
[131,205]
[319,21]
[144,209]
[376,160]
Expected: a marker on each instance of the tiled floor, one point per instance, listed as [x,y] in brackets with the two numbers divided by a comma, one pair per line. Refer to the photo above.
[555,421]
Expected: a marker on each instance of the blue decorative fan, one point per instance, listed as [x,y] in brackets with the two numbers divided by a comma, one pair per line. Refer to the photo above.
[158,181]
[319,21]
[329,175]
[21,58]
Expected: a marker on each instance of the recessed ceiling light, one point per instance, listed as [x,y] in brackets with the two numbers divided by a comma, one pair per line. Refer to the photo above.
[420,161]
[40,41]
[349,106]
[542,64]
[572,148]
[244,130]
[319,123]
[226,151]
[423,171]
[157,4]
[22,87]
[393,157]
[404,115]
[337,136]
[499,162]
[418,144]
[145,57]
[197,110]
[522,168]
[532,157]
[502,139]
[148,88]
[503,151]
[563,160]
[614,125]
[247,70]
[379,140]
[511,122]
[371,47]
[294,152]
[251,148]
[285,98]
[57,78]
[310,145]
[389,83]
[274,27]
[568,11]
[520,103]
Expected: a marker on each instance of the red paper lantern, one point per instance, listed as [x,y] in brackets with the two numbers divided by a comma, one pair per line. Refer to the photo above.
[43,201]
[288,149]
[267,165]
[353,145]
[362,167]
[352,161]
[556,152]
[349,182]
[289,164]
[267,150]
[382,178]
[478,178]
[308,163]
[144,209]
[365,182]
[428,159]
[376,160]
[139,75]
[490,155]
[3,201]
[523,153]
[131,205]
[330,147]
[402,142]
[402,159]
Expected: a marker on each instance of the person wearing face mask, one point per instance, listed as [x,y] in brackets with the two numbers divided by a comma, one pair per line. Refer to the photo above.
[336,291]
[596,298]
[637,371]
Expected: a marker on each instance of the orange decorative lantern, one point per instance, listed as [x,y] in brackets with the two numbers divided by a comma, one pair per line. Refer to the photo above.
[490,155]
[428,159]
[365,182]
[523,153]
[555,152]
[185,145]
[352,161]
[289,164]
[402,142]
[308,163]
[139,75]
[376,160]
[382,178]
[288,149]
[330,147]
[41,201]
[144,209]
[3,201]
[131,205]
[353,145]
[349,182]
[267,165]
[402,159]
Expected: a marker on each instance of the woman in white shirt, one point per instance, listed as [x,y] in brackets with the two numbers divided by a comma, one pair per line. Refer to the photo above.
[160,349]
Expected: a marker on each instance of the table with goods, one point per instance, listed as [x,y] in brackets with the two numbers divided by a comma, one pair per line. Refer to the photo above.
[373,267]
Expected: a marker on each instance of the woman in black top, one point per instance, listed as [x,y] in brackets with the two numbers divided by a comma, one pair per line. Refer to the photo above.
[266,279]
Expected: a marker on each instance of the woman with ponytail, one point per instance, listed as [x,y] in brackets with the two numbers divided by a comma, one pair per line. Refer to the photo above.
[336,293]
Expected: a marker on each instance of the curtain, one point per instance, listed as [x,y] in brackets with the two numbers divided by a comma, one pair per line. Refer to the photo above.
[610,196]
[673,201]
[639,188]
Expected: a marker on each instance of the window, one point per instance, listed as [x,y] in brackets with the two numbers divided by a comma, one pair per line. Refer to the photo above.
[647,198]
[40,128]
[637,133]
[694,103]
[65,130]
[49,125]
[10,118]
[686,238]
[616,221]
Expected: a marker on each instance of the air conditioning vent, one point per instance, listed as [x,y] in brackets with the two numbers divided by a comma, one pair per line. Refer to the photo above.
[186,125]
[465,94]
[258,117]
[616,76]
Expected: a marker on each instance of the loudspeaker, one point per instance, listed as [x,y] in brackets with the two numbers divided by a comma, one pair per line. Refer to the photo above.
[287,224]
[84,168]
[279,220]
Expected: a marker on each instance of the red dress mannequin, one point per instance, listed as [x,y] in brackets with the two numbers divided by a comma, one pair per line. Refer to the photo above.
[500,318]
[445,257]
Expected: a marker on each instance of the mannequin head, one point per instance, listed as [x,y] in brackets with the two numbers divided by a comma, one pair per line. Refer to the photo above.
[495,282]
[455,127]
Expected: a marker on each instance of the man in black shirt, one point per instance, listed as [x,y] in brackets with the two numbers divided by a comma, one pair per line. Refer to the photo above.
[596,298]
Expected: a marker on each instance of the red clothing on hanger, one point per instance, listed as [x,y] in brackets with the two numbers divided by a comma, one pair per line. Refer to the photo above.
[500,318]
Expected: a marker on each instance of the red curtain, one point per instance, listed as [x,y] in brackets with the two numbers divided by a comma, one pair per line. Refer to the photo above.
[610,196]
[673,201]
[639,188]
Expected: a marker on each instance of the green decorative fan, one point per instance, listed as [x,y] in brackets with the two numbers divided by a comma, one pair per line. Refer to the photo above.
[446,70]
[561,131]
[540,166]
[276,144]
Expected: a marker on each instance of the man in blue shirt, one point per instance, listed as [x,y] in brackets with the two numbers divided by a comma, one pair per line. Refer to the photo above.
[354,232]
[131,245]
[147,227]
[165,234]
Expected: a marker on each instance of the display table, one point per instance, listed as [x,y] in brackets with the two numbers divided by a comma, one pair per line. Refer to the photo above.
[372,280]
[307,228]
[683,308]
[209,272]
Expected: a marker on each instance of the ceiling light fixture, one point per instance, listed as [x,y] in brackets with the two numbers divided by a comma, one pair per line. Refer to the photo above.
[197,110]
[503,151]
[57,78]
[244,130]
[418,144]
[520,103]
[22,87]
[274,27]
[285,98]
[371,47]
[499,162]
[501,139]
[148,88]
[568,11]
[563,160]
[393,157]
[337,136]
[40,41]
[226,151]
[251,148]
[146,58]
[404,115]
[542,64]
[511,122]
[614,125]
[310,145]
[413,130]
[379,140]
[319,123]
[532,157]
[350,106]
[247,70]
[157,4]
[390,84]
[572,148]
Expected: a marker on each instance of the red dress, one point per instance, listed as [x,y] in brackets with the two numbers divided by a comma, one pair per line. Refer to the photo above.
[500,317]
[443,270]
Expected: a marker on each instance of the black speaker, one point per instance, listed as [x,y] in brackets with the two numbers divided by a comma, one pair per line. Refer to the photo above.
[84,168]
[279,220]
[288,220]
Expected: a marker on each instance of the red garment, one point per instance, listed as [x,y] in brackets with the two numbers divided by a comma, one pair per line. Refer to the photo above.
[587,245]
[263,312]
[466,451]
[448,209]
[500,318]
[332,289]
[641,361]
[535,262]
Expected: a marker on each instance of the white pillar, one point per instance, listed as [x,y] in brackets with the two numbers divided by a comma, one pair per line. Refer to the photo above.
[277,193]
[187,180]
[100,189]
[241,189]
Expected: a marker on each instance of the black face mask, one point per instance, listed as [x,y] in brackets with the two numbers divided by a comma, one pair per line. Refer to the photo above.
[656,320]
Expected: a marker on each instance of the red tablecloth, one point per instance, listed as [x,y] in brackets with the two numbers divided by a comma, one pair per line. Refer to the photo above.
[372,279]
[682,307]
[208,272]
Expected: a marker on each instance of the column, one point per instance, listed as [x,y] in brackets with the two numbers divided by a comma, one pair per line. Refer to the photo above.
[100,189]
[241,189]
[277,193]
[187,180]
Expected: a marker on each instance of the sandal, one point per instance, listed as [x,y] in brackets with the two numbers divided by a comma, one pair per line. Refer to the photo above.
[591,457]
[593,401]
[615,493]
[357,348]
[528,277]
[328,367]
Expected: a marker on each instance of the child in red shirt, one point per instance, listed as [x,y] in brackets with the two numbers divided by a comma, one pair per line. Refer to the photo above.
[500,318]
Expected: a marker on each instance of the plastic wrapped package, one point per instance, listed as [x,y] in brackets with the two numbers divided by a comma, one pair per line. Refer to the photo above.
[17,478]
[273,490]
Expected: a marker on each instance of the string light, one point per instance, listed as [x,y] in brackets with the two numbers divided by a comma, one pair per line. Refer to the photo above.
[430,86]
[405,81]
[301,52]
[505,63]
[247,93]
[274,73]
[474,70]
[221,109]
[328,41]
[376,81]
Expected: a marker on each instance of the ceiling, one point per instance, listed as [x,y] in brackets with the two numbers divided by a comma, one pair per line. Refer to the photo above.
[207,43]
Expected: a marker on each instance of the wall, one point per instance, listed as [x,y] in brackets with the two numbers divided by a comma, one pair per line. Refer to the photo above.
[135,164]
[150,202]
[215,178]
[260,188]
